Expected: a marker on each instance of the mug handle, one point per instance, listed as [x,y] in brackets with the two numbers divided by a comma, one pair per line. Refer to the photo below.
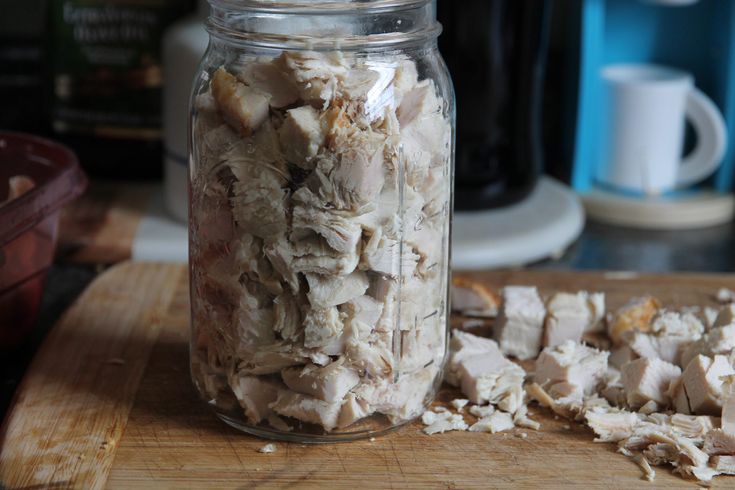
[711,140]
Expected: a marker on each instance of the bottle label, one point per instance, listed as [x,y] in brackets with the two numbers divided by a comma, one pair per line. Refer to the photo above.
[107,74]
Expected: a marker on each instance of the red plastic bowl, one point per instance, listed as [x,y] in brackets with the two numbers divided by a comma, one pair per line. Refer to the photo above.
[29,225]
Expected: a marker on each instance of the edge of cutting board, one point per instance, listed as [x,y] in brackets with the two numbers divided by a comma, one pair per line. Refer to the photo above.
[72,406]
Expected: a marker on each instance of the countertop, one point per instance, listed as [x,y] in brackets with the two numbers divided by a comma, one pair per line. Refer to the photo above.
[600,247]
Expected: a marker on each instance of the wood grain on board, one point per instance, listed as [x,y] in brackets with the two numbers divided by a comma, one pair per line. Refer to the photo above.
[71,409]
[172,440]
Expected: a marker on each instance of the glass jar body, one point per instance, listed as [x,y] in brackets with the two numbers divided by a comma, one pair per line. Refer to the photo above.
[320,209]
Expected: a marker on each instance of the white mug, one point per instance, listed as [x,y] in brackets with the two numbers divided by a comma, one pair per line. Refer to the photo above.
[642,131]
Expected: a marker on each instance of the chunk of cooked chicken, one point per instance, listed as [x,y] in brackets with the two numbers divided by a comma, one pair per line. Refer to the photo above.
[484,373]
[301,136]
[255,395]
[495,422]
[308,409]
[569,316]
[472,298]
[648,379]
[314,74]
[326,291]
[520,323]
[269,80]
[702,383]
[322,327]
[718,341]
[637,314]
[242,107]
[329,383]
[312,216]
[572,363]
[443,422]
[353,410]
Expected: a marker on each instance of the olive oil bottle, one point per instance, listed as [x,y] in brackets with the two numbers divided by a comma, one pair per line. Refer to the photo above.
[105,85]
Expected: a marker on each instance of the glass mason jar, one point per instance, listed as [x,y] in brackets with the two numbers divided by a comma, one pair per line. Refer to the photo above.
[322,142]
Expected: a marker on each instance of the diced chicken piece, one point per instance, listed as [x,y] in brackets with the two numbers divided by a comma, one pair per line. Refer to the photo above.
[369,358]
[572,363]
[323,328]
[313,255]
[444,422]
[364,310]
[648,379]
[270,359]
[406,76]
[496,380]
[287,317]
[703,384]
[671,323]
[717,442]
[472,298]
[341,233]
[568,317]
[611,425]
[258,200]
[280,256]
[419,101]
[621,355]
[401,400]
[267,79]
[358,83]
[370,93]
[381,254]
[327,291]
[254,325]
[724,465]
[330,383]
[520,324]
[463,346]
[244,108]
[314,74]
[302,136]
[679,399]
[481,411]
[495,422]
[353,409]
[308,409]
[717,341]
[637,314]
[352,176]
[666,348]
[255,396]
[725,317]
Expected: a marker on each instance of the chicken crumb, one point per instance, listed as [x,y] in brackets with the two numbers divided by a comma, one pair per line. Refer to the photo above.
[725,295]
[268,449]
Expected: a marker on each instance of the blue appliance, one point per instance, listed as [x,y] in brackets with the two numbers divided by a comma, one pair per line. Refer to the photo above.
[696,36]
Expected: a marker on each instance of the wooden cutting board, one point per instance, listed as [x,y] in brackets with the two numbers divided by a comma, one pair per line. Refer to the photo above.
[108,403]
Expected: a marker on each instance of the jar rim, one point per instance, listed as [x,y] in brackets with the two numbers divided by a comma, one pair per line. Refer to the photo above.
[220,23]
[323,7]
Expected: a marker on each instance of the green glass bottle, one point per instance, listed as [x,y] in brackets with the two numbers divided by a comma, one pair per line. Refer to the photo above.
[106,81]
